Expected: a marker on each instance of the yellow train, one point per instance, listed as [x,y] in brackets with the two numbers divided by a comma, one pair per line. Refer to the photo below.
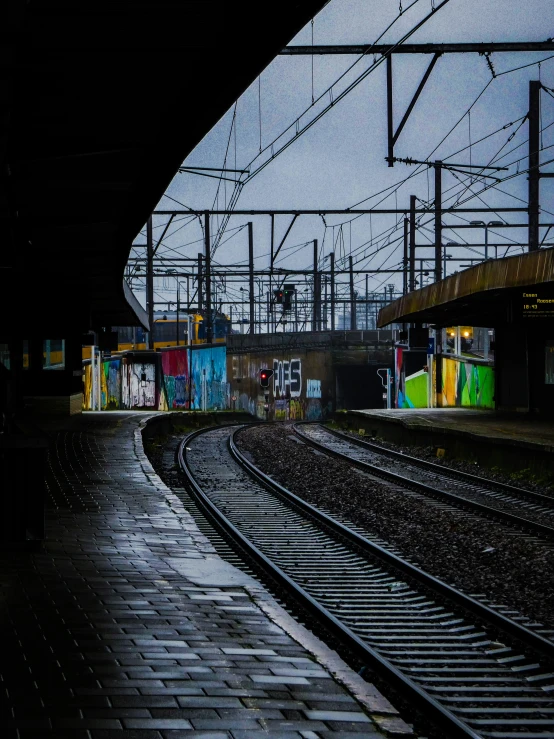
[167,332]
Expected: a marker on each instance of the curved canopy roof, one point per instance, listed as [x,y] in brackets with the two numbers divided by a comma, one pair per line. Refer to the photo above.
[478,296]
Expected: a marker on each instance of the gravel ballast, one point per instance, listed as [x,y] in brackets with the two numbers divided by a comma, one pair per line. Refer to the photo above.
[429,454]
[474,555]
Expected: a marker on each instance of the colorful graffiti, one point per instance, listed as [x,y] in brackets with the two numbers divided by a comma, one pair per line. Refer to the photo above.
[281,410]
[465,384]
[138,384]
[209,378]
[410,391]
[292,396]
[162,381]
[313,388]
[175,378]
[111,384]
[416,390]
[87,388]
[398,384]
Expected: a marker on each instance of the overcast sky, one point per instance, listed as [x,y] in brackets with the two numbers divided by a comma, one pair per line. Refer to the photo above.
[339,162]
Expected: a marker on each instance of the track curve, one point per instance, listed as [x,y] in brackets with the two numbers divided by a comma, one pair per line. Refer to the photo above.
[409,626]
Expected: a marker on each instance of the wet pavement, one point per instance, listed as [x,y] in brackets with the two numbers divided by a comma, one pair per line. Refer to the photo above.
[126,623]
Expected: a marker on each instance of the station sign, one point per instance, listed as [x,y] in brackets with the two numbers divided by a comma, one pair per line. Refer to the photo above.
[538,302]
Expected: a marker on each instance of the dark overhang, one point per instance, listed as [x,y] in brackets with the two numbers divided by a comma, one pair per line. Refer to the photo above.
[101,103]
[478,296]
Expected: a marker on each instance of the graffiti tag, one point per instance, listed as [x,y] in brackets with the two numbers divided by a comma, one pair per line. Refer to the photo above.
[287,378]
[313,388]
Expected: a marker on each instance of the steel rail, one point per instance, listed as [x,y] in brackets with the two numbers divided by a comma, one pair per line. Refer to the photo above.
[428,490]
[393,675]
[512,628]
[440,714]
[446,471]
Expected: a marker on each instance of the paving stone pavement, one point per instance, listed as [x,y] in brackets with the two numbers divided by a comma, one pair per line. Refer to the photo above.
[104,637]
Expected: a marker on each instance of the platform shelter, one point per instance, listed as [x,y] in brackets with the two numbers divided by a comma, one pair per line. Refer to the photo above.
[514,297]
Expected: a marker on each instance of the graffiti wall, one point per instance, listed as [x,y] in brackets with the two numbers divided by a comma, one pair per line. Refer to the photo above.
[465,384]
[209,378]
[415,390]
[302,386]
[163,380]
[138,383]
[410,387]
[175,392]
[111,384]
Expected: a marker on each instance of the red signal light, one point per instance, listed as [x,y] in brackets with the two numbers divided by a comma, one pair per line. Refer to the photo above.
[265,375]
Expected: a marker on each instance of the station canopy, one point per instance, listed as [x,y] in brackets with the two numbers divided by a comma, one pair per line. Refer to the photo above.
[492,293]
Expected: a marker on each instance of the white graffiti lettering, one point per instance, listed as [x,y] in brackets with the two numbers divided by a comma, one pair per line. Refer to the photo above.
[287,378]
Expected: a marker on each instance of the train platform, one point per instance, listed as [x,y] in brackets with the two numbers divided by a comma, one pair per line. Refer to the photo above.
[126,623]
[509,440]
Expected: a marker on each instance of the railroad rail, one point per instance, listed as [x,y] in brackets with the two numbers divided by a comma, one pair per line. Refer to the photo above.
[436,645]
[497,500]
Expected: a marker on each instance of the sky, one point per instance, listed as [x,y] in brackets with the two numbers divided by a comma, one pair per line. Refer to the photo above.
[339,162]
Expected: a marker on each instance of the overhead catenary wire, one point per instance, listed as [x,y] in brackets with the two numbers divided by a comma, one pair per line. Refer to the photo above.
[334,100]
[461,183]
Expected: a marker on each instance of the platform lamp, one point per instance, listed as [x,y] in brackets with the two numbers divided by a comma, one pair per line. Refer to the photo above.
[486,226]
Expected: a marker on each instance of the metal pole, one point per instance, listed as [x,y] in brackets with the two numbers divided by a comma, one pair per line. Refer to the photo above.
[208,271]
[99,378]
[149,282]
[251,276]
[438,220]
[405,257]
[200,298]
[332,268]
[352,297]
[412,241]
[325,304]
[534,173]
[92,379]
[273,326]
[316,323]
[177,335]
[486,245]
[390,130]
[366,303]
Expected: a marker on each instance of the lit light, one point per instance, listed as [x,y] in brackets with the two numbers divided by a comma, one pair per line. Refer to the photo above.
[466,333]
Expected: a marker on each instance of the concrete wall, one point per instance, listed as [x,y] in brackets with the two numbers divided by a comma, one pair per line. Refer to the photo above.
[314,372]
[302,386]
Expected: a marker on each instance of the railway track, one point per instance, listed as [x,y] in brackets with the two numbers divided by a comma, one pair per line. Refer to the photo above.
[471,670]
[525,509]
